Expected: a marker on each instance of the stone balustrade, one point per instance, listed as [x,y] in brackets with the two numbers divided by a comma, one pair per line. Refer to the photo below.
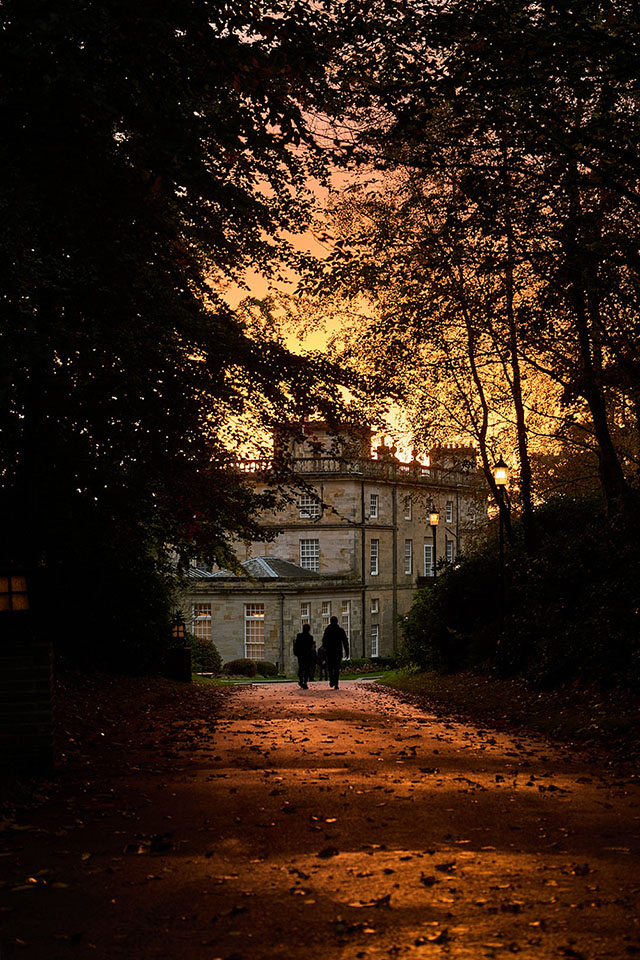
[373,469]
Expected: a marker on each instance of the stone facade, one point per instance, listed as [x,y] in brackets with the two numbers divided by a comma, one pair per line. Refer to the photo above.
[361,524]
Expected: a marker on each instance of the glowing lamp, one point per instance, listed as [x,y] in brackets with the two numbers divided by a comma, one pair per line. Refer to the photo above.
[434,518]
[501,473]
[177,627]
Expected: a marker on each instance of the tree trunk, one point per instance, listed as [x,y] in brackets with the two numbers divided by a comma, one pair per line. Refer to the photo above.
[515,383]
[614,486]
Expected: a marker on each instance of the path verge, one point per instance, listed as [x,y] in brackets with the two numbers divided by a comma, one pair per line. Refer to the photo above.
[591,716]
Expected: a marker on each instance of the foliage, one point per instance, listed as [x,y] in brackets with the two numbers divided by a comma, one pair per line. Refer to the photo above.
[571,610]
[366,664]
[241,667]
[505,210]
[573,712]
[151,155]
[205,657]
[266,669]
[454,621]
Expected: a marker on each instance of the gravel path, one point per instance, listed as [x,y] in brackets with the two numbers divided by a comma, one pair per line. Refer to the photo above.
[330,824]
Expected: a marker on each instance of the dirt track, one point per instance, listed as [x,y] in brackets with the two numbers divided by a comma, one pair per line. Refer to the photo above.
[342,824]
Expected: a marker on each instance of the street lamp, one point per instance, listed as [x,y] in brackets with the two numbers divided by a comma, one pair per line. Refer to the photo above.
[501,478]
[434,520]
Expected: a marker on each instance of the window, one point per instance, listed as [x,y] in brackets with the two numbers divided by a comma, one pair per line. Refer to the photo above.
[449,511]
[254,631]
[408,508]
[375,605]
[448,546]
[201,617]
[305,613]
[345,617]
[326,613]
[310,555]
[13,593]
[375,636]
[373,506]
[408,556]
[375,553]
[428,560]
[308,506]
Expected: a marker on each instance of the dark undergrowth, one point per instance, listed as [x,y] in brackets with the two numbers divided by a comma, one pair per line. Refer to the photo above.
[590,716]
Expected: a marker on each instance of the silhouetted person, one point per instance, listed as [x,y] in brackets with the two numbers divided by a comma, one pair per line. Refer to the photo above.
[323,666]
[314,661]
[334,640]
[303,649]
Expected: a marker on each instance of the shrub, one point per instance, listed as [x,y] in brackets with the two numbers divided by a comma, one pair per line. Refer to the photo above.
[241,667]
[571,609]
[353,663]
[384,663]
[266,669]
[365,664]
[204,655]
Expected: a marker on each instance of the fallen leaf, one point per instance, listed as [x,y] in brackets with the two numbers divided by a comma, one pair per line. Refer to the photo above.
[327,852]
[428,879]
[380,902]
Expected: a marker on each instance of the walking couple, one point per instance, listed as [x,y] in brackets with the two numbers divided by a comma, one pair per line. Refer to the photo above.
[334,640]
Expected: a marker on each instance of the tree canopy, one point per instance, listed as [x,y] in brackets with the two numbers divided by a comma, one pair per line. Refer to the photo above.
[151,153]
[508,133]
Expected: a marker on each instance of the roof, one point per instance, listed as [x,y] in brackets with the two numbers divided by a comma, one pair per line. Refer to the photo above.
[260,568]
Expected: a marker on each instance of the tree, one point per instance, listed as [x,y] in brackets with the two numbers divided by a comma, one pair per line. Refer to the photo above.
[531,107]
[442,334]
[151,153]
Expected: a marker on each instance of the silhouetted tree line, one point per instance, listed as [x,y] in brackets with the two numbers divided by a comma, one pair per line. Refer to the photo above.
[154,152]
[571,611]
[495,241]
[151,153]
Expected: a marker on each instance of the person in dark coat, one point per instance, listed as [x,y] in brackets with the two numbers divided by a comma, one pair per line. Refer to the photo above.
[303,649]
[323,666]
[334,640]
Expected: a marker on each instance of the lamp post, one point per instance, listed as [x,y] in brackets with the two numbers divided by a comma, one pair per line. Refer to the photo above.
[434,520]
[501,478]
[179,656]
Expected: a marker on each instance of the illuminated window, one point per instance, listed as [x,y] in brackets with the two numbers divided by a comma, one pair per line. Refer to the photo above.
[305,613]
[449,511]
[373,506]
[375,637]
[254,631]
[374,556]
[13,593]
[308,506]
[345,617]
[310,555]
[326,613]
[201,620]
[428,560]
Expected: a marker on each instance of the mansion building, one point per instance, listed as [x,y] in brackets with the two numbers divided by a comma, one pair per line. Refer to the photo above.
[354,541]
